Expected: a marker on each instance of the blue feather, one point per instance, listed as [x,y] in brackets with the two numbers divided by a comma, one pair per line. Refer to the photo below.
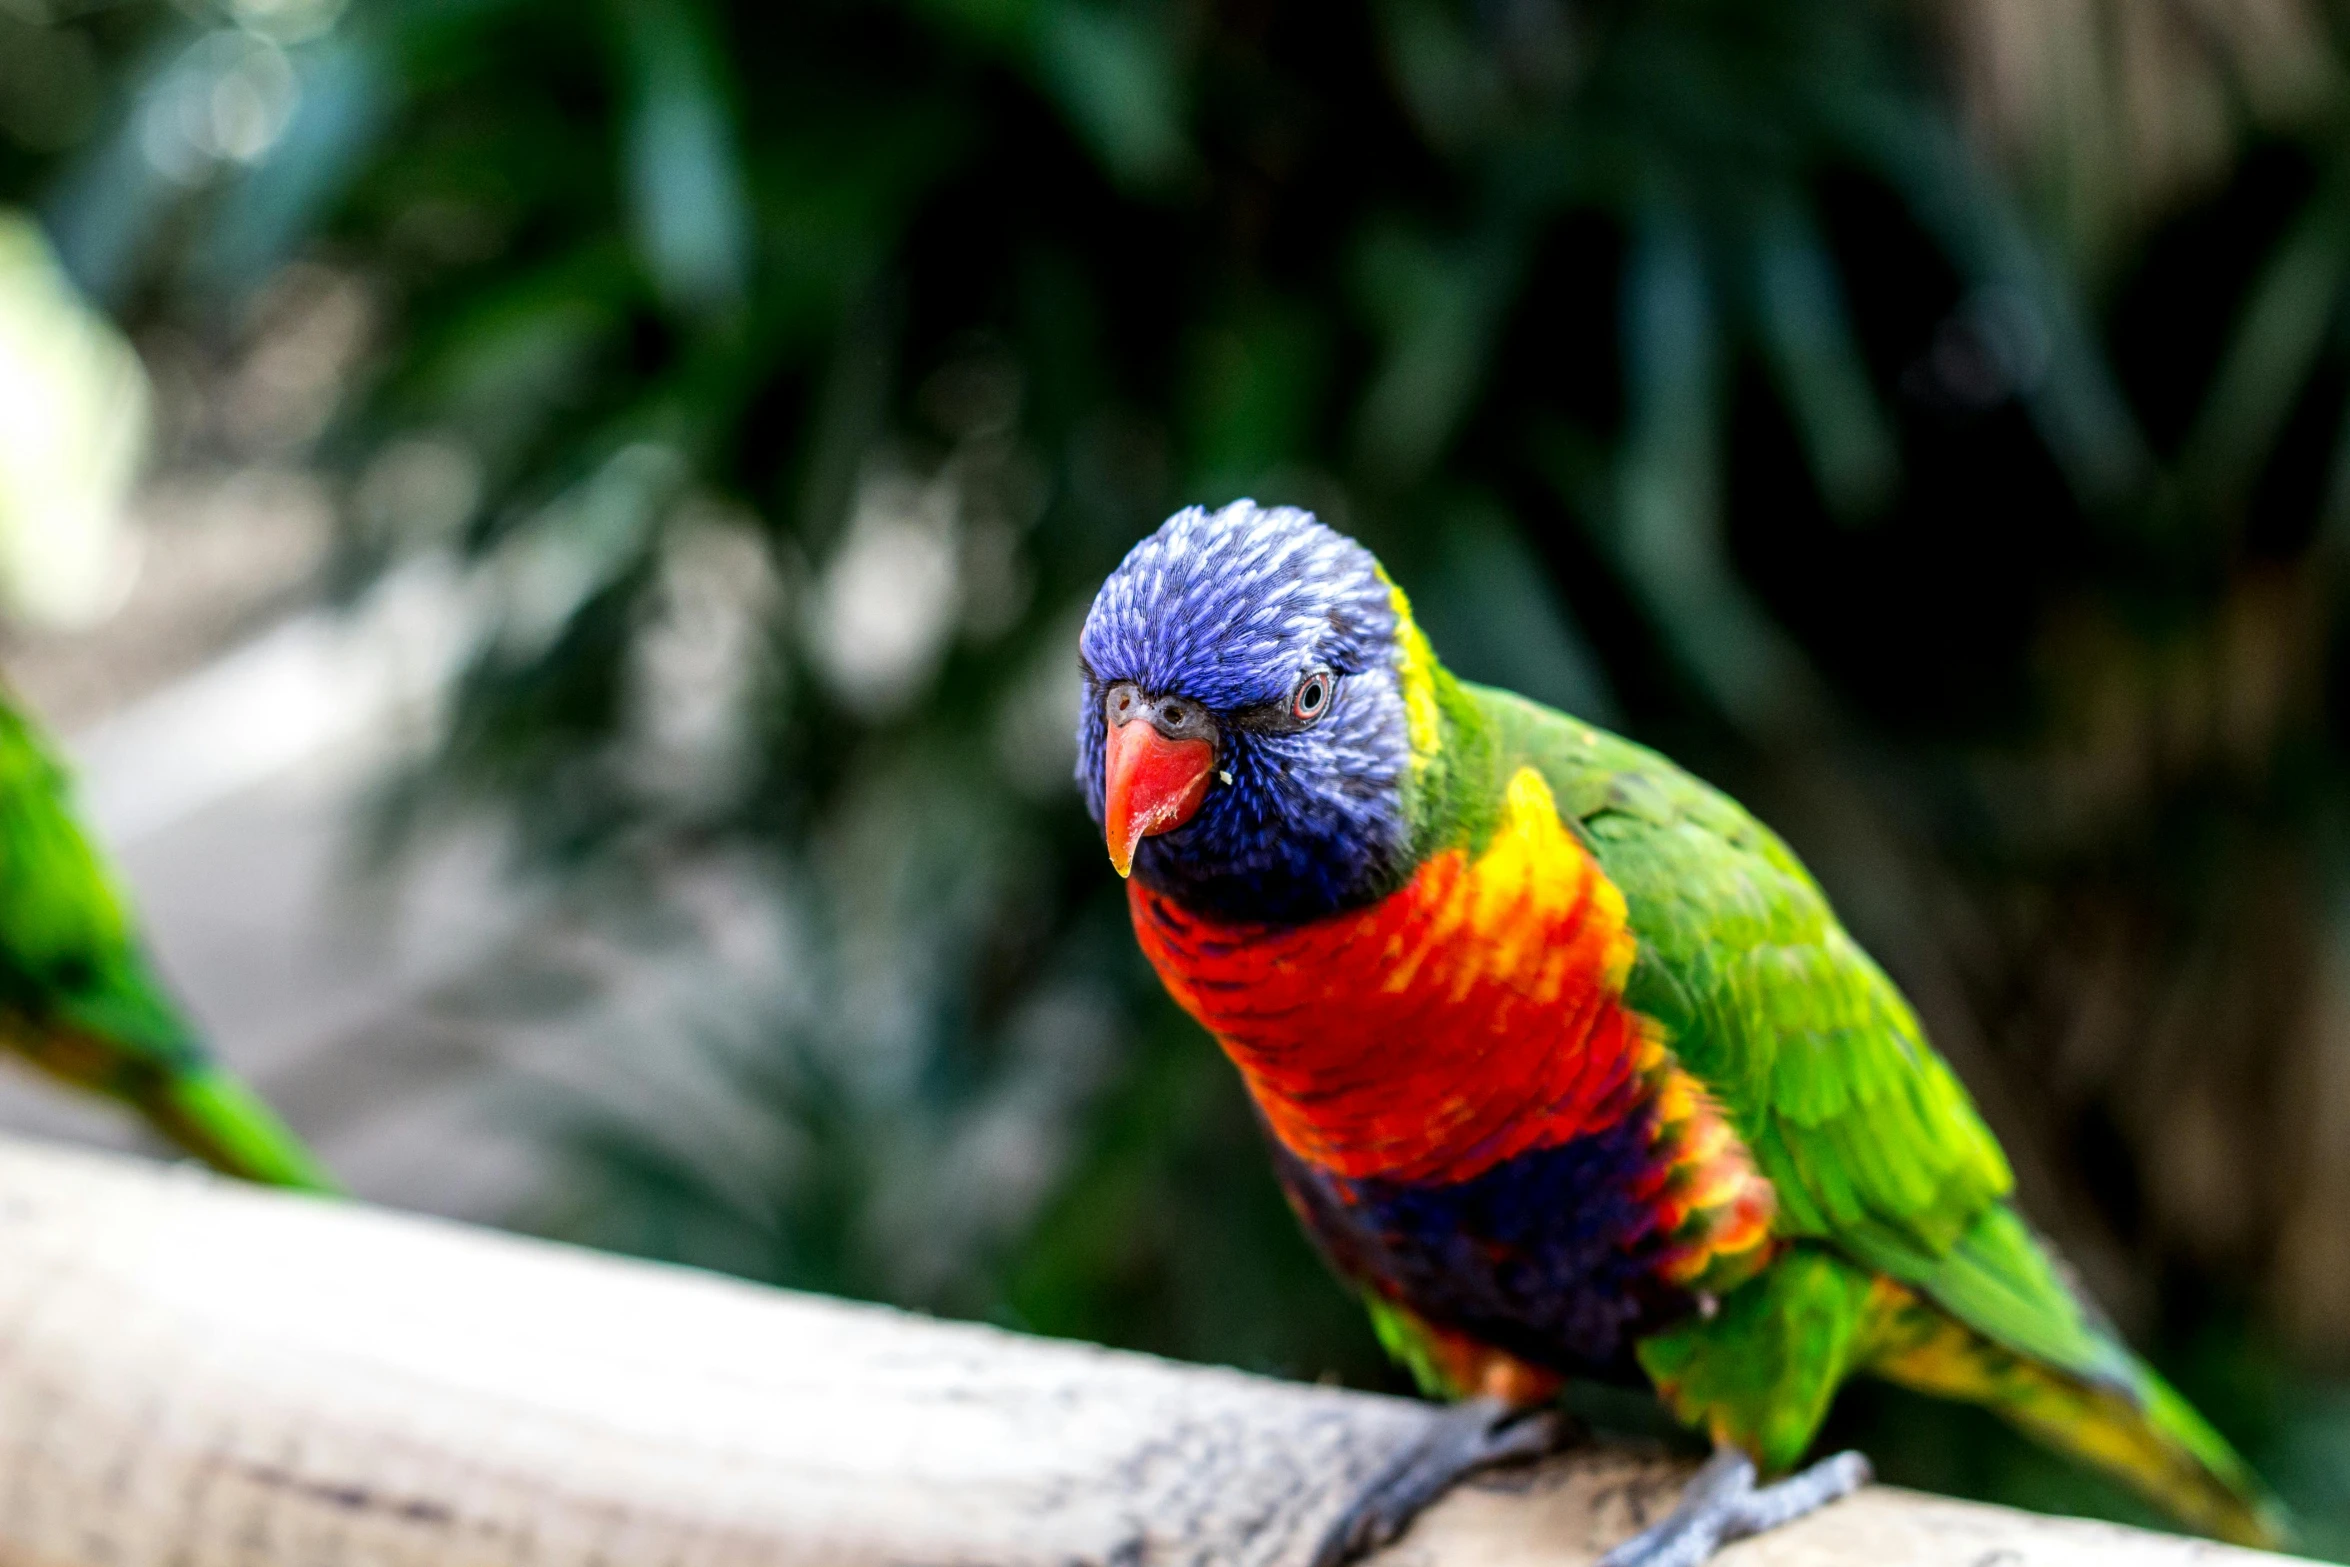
[1548,1255]
[1230,609]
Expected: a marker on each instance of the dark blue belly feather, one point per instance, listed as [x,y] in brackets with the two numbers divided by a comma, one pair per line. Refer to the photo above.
[1547,1255]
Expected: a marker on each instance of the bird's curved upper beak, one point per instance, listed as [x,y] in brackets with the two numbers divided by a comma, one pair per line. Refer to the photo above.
[1150,784]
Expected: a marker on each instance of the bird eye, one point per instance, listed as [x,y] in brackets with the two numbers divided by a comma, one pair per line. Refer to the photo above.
[1312,698]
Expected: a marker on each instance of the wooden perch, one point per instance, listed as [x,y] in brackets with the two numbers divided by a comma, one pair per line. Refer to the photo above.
[198,1374]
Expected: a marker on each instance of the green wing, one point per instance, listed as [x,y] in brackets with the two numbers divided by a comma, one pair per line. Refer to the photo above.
[79,998]
[1878,1156]
[1869,1138]
[1873,1144]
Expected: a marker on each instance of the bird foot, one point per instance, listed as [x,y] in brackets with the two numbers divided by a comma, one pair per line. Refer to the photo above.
[1463,1439]
[1724,1504]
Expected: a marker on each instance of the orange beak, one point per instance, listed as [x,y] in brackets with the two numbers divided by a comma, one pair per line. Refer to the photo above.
[1150,784]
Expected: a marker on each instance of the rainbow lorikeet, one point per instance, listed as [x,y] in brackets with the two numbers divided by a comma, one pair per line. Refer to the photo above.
[1566,1063]
[79,998]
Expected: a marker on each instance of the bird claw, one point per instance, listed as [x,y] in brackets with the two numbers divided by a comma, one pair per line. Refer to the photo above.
[1723,1504]
[1461,1440]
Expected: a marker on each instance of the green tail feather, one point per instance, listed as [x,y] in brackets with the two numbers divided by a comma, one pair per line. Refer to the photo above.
[224,1123]
[1997,1322]
[2135,1428]
[1760,1371]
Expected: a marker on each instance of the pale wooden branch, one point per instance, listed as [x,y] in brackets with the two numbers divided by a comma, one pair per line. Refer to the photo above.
[195,1374]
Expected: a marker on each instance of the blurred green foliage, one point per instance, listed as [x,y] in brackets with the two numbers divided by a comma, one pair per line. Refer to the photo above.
[1927,420]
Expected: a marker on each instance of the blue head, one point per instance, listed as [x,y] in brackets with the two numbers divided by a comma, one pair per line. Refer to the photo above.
[1244,734]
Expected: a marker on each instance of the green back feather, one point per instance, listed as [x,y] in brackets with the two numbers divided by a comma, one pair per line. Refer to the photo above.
[1878,1155]
[1869,1138]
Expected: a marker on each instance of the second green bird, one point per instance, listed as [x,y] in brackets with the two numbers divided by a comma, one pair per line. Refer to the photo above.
[80,999]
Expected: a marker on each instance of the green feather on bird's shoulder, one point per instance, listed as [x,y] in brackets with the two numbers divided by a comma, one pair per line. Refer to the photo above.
[80,998]
[1904,1256]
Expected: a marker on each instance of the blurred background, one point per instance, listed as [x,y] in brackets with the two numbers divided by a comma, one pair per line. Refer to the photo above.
[555,534]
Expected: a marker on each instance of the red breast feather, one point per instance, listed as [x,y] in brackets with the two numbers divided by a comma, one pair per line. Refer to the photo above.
[1475,1015]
